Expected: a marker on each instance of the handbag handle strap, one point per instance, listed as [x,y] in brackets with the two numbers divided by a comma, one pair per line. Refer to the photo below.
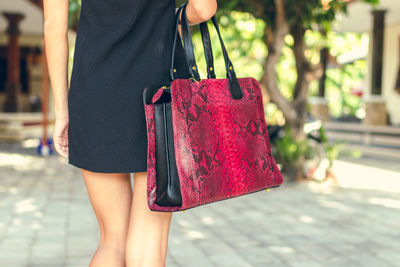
[172,69]
[205,36]
[234,86]
[188,46]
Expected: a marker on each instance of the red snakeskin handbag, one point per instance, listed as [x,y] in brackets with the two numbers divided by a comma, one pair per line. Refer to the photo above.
[207,138]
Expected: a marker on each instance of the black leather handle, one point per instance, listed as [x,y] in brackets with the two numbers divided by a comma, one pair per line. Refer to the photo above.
[206,44]
[230,71]
[234,86]
[177,39]
[205,36]
[188,46]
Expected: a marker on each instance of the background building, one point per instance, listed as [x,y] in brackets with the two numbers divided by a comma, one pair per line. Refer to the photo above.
[21,34]
[383,75]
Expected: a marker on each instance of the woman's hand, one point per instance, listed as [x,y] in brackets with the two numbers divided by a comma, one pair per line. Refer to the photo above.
[60,135]
[198,11]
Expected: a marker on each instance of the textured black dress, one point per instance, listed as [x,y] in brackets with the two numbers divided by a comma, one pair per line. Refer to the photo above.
[121,47]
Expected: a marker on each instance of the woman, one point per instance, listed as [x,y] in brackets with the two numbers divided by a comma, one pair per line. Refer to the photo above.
[121,46]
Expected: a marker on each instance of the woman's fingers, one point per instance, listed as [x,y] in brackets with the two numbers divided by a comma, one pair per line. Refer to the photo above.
[61,145]
[60,137]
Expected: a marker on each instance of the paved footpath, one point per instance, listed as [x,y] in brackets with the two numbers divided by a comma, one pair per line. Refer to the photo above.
[46,220]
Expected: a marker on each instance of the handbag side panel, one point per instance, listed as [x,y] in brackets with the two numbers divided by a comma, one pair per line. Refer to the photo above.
[188,188]
[151,161]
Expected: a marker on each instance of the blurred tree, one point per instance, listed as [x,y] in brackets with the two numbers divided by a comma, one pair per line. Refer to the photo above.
[294,17]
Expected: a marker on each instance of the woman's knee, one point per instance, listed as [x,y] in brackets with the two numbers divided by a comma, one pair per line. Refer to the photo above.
[154,260]
[116,249]
[108,255]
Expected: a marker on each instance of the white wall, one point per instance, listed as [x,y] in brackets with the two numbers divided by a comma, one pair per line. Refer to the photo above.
[391,64]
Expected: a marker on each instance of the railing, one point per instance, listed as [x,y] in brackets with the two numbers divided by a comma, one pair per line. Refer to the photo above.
[17,126]
[383,141]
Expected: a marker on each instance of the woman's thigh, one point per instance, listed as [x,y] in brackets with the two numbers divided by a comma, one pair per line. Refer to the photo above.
[148,230]
[110,195]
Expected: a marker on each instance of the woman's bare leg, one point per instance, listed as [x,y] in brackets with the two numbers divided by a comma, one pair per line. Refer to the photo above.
[111,196]
[148,230]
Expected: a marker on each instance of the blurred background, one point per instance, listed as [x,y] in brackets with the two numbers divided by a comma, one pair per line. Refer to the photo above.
[329,71]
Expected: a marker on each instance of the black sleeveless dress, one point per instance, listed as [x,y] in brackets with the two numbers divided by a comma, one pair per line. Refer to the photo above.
[121,47]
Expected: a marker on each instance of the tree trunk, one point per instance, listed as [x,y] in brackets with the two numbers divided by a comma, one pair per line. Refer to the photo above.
[300,94]
[275,41]
[295,111]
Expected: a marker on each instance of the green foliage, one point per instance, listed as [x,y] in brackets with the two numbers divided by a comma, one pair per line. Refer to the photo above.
[73,13]
[332,149]
[242,35]
[289,150]
[307,12]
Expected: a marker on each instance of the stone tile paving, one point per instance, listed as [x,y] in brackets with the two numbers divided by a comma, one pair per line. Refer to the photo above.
[46,220]
[368,160]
